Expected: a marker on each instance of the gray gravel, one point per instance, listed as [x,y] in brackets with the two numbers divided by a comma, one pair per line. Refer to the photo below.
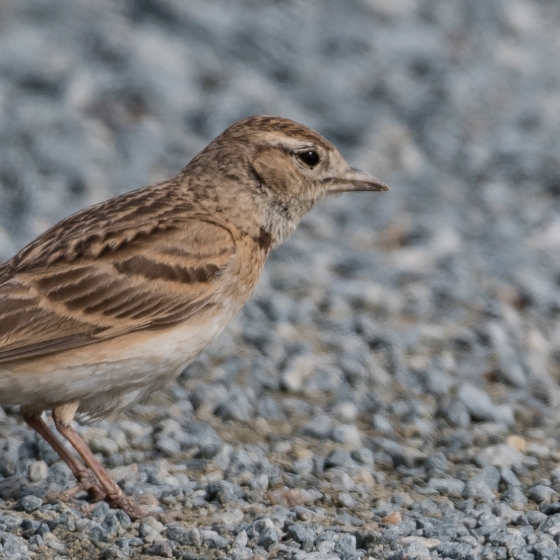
[391,391]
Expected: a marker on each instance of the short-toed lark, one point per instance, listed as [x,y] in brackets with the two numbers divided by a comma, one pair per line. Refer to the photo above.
[113,302]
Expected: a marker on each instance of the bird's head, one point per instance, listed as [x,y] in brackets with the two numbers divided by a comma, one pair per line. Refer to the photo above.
[284,167]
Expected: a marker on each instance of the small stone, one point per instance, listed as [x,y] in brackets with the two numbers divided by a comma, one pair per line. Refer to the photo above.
[154,524]
[541,493]
[363,455]
[243,554]
[229,519]
[515,498]
[502,455]
[456,414]
[100,510]
[114,552]
[297,371]
[162,549]
[53,542]
[213,539]
[518,442]
[287,497]
[111,523]
[382,425]
[551,525]
[223,457]
[339,479]
[167,445]
[303,467]
[347,434]
[30,527]
[414,551]
[530,462]
[539,451]
[302,535]
[503,511]
[237,407]
[490,476]
[345,500]
[436,464]
[428,543]
[509,477]
[241,540]
[555,473]
[38,470]
[481,407]
[184,535]
[393,518]
[30,503]
[448,486]
[268,537]
[103,445]
[224,492]
[345,412]
[478,489]
[259,483]
[318,427]
[535,517]
[346,546]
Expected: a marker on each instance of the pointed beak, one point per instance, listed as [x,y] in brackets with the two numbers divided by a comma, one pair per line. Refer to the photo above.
[355,180]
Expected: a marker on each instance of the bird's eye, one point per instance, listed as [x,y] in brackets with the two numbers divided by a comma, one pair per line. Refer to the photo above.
[309,158]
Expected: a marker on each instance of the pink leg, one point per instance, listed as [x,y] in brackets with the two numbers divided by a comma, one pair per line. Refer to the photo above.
[113,494]
[86,480]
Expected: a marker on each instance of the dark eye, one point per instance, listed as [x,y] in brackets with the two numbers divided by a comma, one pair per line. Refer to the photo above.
[310,158]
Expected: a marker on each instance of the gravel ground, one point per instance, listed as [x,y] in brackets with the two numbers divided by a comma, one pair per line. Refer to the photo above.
[391,391]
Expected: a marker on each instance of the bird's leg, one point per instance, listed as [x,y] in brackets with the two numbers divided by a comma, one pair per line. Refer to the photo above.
[114,496]
[86,480]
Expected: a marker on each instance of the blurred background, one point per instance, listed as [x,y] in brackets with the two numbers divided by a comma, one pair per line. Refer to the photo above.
[449,279]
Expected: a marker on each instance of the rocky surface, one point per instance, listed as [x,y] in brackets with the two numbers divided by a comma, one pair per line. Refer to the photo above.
[391,391]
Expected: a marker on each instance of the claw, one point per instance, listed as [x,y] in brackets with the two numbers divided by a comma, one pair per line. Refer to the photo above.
[86,483]
[128,505]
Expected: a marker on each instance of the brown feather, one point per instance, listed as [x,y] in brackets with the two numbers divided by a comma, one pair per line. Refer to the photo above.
[89,295]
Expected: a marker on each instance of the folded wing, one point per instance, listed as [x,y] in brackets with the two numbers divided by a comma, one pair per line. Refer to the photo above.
[124,283]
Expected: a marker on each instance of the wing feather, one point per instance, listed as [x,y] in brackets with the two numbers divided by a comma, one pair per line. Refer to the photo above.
[144,282]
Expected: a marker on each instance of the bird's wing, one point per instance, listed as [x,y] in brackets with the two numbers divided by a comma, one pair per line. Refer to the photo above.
[65,291]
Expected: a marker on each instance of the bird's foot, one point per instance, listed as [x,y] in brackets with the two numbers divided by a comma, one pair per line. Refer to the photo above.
[168,516]
[128,505]
[87,482]
[133,507]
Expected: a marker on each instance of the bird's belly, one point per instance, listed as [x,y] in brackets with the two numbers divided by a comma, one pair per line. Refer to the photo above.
[107,375]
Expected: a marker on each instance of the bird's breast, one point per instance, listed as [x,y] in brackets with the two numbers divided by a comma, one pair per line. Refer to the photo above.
[133,362]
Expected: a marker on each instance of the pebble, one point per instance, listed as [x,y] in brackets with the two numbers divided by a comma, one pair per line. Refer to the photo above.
[30,503]
[213,539]
[38,471]
[515,498]
[448,486]
[347,434]
[302,535]
[345,500]
[318,427]
[345,412]
[184,536]
[287,497]
[481,407]
[502,455]
[541,493]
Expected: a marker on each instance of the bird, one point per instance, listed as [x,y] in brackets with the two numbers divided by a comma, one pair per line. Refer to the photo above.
[114,301]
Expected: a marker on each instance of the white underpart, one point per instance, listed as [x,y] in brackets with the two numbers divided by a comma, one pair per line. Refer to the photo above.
[108,376]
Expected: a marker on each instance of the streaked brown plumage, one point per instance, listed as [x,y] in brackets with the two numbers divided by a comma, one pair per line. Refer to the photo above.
[114,301]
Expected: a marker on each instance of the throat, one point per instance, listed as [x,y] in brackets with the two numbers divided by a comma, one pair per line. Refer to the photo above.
[279,226]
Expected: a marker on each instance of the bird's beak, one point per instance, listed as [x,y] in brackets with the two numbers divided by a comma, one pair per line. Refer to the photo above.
[354,180]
